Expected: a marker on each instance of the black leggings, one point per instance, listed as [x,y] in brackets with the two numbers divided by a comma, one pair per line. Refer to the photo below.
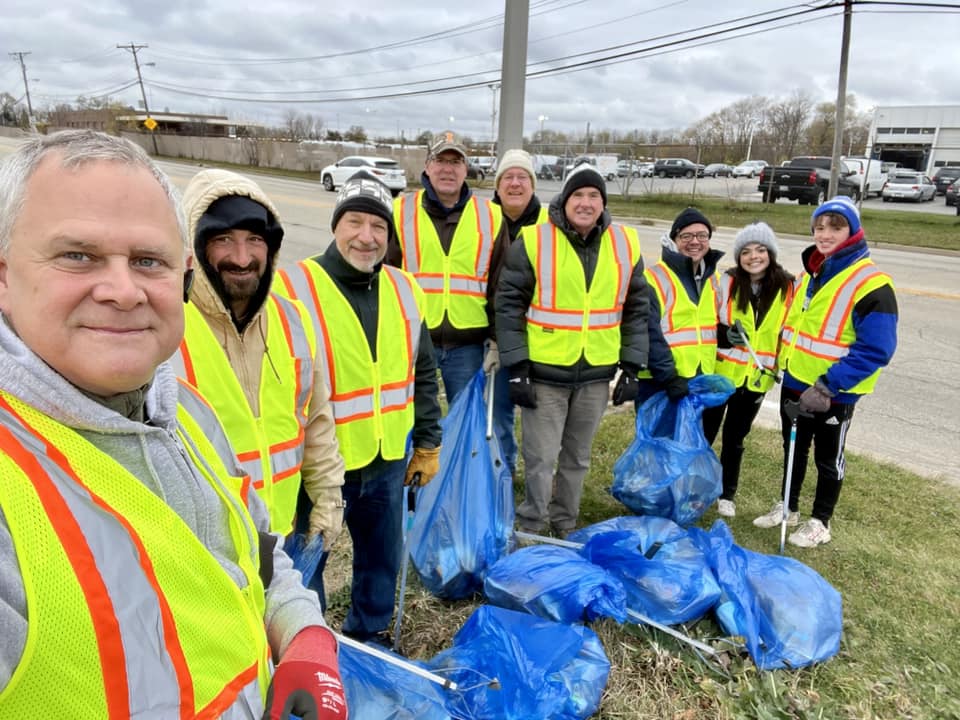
[827,432]
[741,410]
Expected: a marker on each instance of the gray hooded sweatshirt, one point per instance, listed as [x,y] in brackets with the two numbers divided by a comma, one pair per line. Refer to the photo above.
[153,454]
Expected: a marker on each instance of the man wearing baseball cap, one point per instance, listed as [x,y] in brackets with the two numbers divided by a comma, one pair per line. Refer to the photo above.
[381,371]
[840,331]
[571,309]
[445,239]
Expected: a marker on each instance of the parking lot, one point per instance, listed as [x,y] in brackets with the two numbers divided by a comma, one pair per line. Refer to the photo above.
[743,189]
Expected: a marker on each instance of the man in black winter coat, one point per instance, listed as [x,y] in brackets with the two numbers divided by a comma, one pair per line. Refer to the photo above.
[571,308]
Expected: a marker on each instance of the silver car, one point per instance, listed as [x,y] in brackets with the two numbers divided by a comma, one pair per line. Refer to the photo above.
[387,170]
[909,185]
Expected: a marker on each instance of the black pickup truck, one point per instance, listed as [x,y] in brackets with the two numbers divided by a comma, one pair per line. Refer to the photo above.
[806,178]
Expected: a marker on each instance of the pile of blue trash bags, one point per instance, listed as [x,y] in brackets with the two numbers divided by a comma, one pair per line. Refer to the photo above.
[529,653]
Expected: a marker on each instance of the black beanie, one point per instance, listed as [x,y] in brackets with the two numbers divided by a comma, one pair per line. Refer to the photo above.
[363,192]
[238,212]
[689,217]
[583,175]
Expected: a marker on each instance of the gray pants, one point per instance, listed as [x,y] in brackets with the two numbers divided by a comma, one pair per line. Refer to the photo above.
[558,434]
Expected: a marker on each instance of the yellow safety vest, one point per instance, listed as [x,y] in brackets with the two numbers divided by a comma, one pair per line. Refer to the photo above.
[270,447]
[690,330]
[372,400]
[454,284]
[818,332]
[130,615]
[567,320]
[735,362]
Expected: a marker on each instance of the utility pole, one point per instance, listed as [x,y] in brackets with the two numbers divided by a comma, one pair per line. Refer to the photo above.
[136,61]
[26,89]
[513,74]
[493,119]
[841,101]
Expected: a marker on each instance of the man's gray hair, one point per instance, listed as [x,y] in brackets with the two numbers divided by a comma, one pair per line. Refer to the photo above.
[74,148]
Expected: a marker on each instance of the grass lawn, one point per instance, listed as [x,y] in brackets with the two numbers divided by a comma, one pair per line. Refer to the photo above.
[893,558]
[881,226]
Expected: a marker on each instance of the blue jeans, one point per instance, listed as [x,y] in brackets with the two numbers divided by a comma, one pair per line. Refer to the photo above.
[457,366]
[374,516]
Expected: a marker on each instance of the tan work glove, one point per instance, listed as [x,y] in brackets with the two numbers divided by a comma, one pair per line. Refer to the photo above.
[491,359]
[424,465]
[326,517]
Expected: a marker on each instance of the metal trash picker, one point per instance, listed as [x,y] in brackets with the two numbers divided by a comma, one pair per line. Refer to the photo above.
[791,409]
[489,391]
[632,614]
[443,682]
[411,495]
[777,377]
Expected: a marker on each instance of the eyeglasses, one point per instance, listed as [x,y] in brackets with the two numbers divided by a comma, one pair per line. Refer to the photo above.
[520,177]
[452,161]
[687,237]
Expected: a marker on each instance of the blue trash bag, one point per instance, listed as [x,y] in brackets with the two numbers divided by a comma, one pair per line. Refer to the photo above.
[670,470]
[673,585]
[788,615]
[305,555]
[543,669]
[464,518]
[555,583]
[377,690]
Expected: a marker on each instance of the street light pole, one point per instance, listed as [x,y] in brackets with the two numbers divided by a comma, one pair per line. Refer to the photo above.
[146,110]
[542,119]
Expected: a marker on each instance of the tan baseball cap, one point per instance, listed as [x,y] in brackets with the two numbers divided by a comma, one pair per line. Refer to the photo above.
[446,140]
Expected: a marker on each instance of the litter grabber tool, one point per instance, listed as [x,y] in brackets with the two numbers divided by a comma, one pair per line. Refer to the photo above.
[791,409]
[632,614]
[411,497]
[756,359]
[443,682]
[490,378]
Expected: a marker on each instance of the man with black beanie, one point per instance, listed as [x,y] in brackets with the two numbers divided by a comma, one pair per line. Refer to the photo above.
[571,309]
[683,290]
[381,369]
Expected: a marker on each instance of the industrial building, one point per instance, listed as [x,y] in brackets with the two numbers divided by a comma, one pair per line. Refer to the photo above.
[924,137]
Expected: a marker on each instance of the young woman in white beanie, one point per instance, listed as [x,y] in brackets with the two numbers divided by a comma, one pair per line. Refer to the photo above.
[757,292]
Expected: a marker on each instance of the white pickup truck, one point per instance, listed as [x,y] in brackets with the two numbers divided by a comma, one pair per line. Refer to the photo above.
[606,165]
[869,173]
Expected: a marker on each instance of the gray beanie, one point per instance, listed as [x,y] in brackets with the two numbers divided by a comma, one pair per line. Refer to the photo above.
[519,159]
[759,233]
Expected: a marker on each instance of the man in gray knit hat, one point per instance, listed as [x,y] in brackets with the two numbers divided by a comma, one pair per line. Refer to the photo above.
[571,309]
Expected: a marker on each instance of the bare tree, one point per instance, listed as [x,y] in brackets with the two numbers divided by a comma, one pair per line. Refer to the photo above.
[785,124]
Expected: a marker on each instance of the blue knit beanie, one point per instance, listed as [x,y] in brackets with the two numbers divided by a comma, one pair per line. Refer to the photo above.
[839,205]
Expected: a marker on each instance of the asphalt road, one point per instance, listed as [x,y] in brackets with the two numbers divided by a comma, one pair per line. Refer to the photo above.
[913,417]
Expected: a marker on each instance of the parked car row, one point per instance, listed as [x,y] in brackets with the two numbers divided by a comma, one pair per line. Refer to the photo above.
[945,177]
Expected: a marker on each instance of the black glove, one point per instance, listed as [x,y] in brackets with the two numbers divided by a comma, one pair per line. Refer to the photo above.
[521,387]
[627,386]
[814,400]
[677,388]
[735,337]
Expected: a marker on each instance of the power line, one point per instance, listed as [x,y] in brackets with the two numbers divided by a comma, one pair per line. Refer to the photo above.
[133,49]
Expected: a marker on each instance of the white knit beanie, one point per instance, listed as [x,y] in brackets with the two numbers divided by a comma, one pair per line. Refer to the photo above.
[515,159]
[759,233]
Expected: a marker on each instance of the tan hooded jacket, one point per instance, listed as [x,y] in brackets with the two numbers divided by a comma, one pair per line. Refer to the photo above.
[323,467]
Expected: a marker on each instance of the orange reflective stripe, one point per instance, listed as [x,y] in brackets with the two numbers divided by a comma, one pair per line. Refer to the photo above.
[185,362]
[219,705]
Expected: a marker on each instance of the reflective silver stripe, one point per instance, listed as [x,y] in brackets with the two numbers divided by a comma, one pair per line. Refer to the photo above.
[408,217]
[621,253]
[546,264]
[468,286]
[681,337]
[843,300]
[177,363]
[821,348]
[573,319]
[301,349]
[151,681]
[253,468]
[430,283]
[304,290]
[669,297]
[207,419]
[708,334]
[286,462]
[725,302]
[734,355]
[485,223]
[349,409]
[396,397]
[408,304]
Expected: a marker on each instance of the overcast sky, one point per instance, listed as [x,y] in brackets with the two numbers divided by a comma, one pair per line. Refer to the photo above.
[218,57]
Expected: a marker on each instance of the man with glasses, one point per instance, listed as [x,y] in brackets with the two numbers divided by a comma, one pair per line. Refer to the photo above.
[684,291]
[446,238]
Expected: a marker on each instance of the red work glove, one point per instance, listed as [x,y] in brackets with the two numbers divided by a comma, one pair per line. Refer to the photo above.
[307,680]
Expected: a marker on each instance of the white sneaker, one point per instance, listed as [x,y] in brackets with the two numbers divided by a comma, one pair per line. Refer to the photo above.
[810,534]
[726,508]
[775,517]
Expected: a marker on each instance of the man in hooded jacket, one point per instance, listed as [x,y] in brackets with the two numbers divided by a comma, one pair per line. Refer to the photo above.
[252,354]
[571,308]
